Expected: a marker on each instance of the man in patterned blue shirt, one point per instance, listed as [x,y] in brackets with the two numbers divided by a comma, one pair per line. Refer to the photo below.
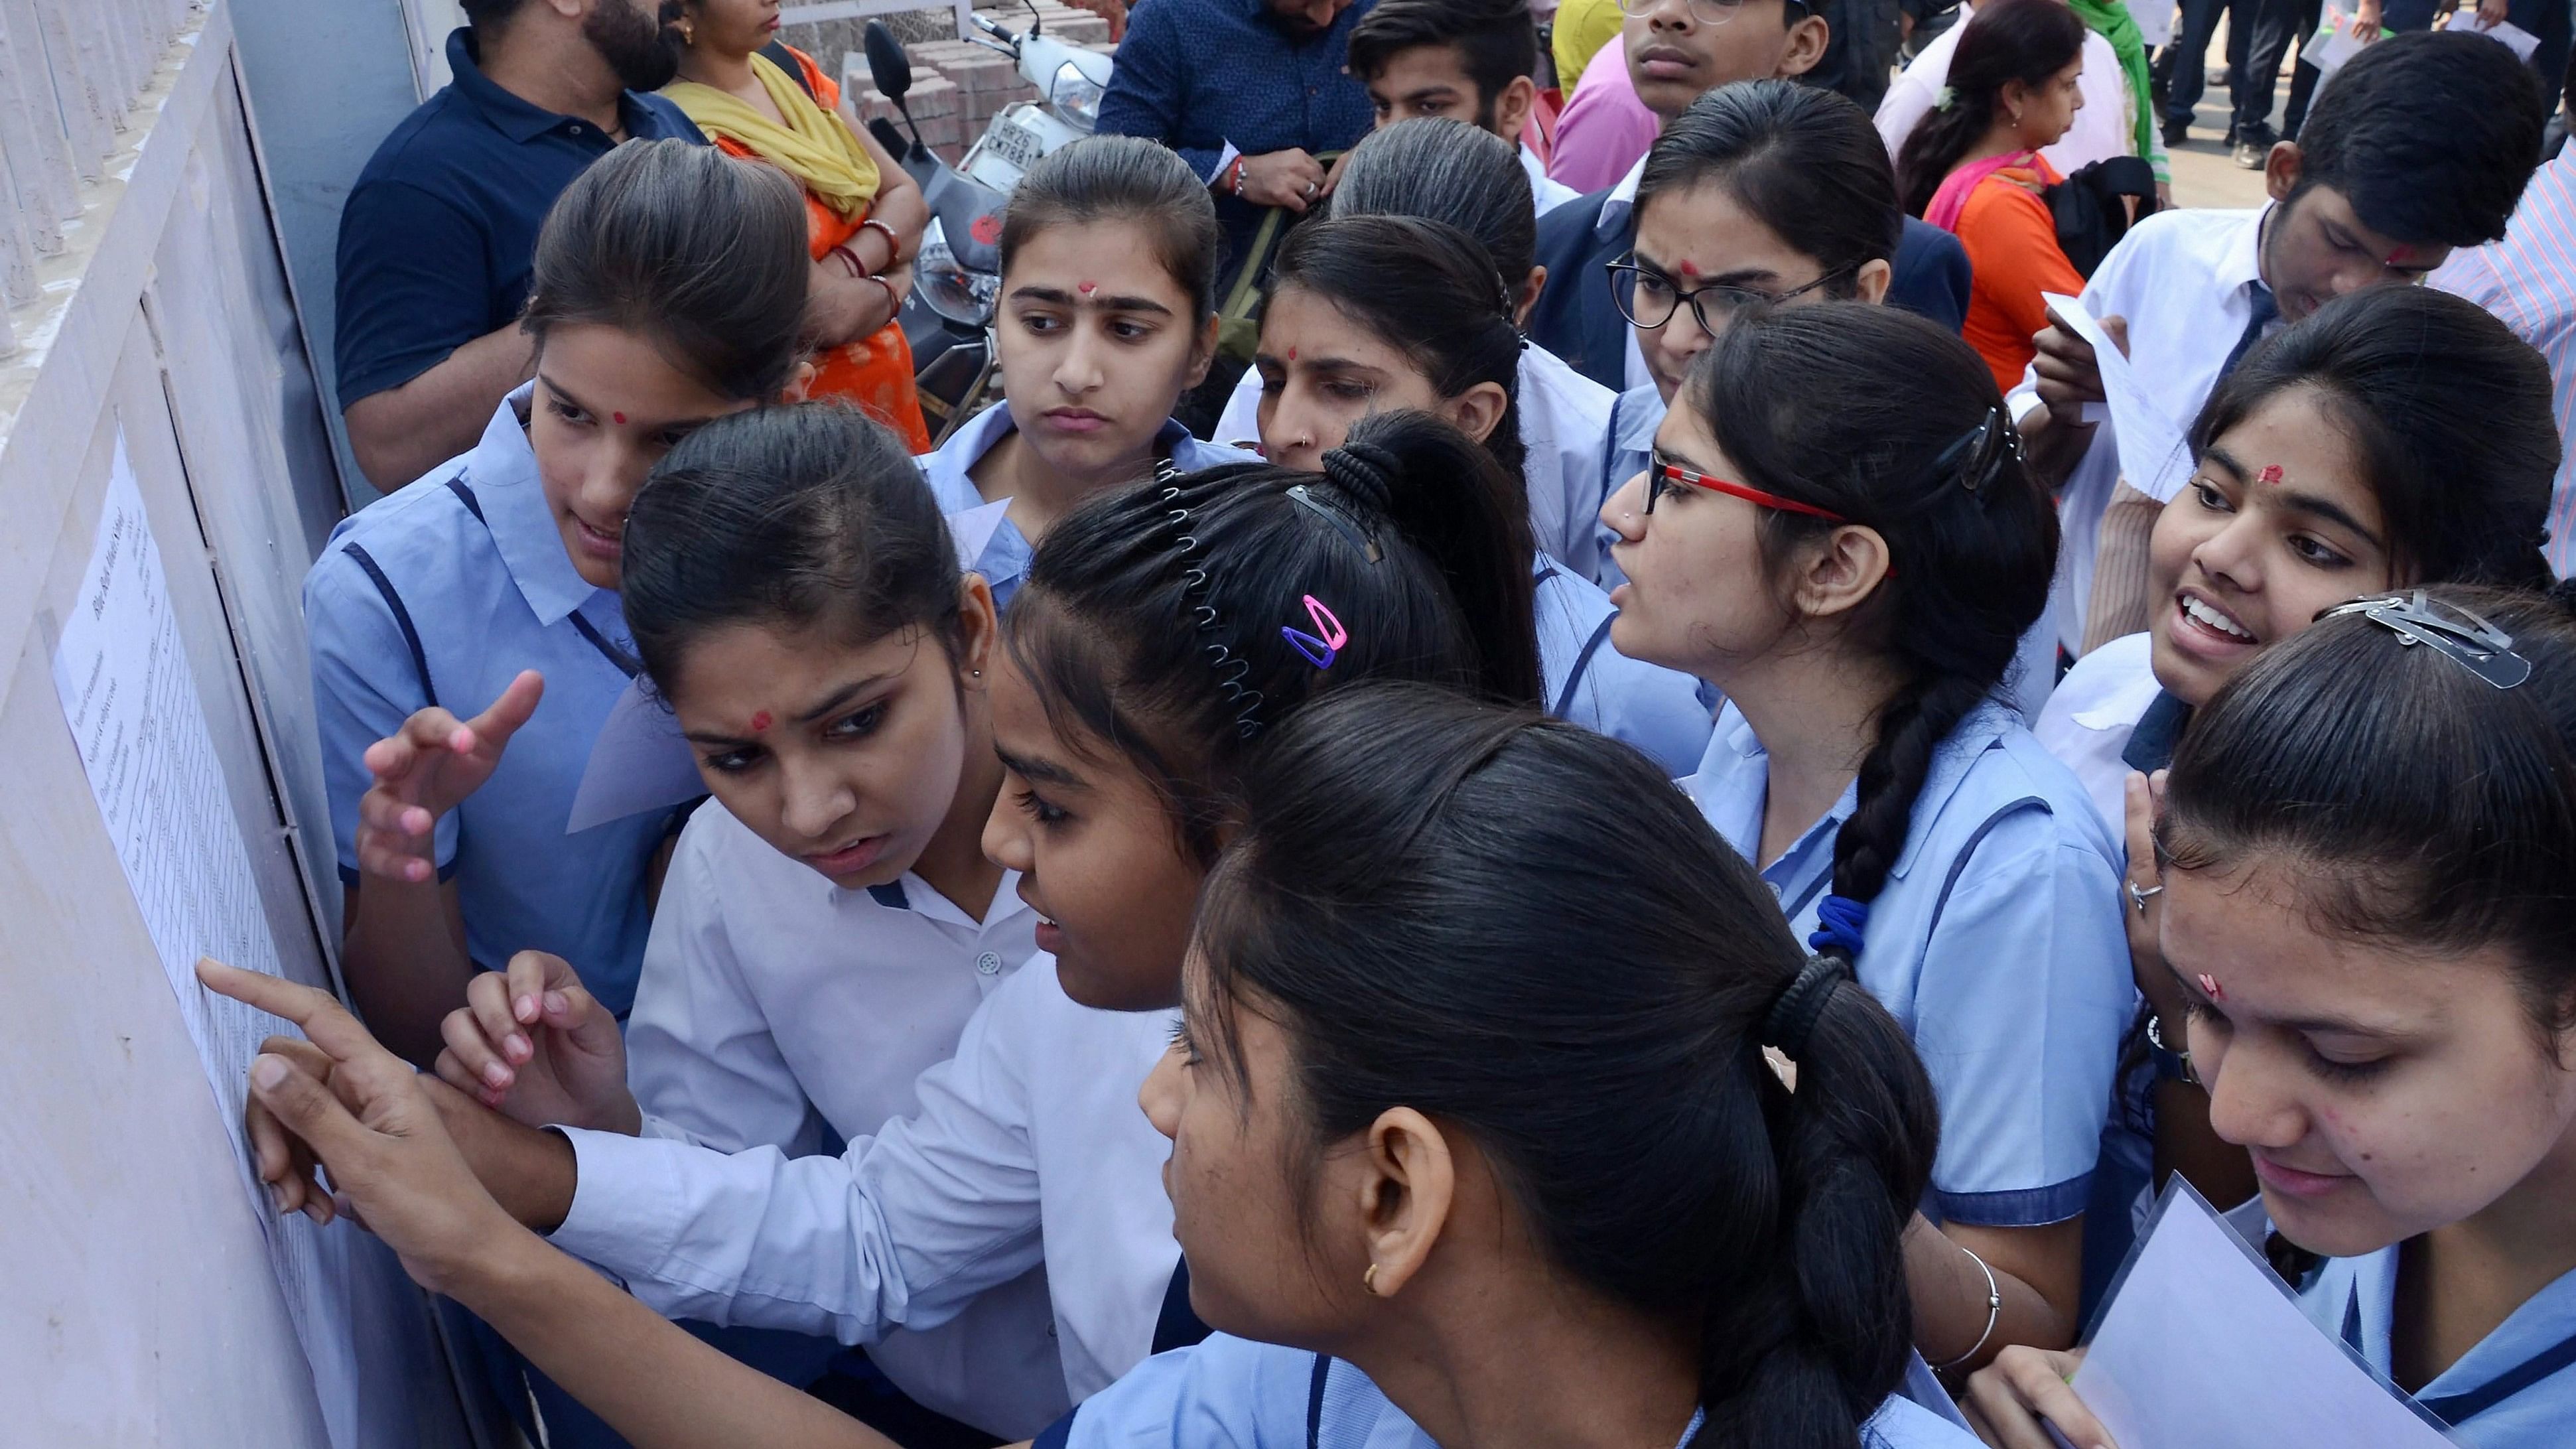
[1247,91]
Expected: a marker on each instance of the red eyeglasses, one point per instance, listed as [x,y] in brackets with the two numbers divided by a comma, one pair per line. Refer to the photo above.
[1662,477]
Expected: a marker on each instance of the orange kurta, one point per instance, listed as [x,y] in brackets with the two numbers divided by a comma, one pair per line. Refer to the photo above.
[2013,257]
[874,372]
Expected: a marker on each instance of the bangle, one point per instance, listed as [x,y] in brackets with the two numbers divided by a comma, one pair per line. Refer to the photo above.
[892,296]
[1234,178]
[1994,1310]
[857,269]
[894,243]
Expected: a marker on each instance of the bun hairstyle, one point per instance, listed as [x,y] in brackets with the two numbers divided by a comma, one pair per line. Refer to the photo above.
[1805,162]
[2005,41]
[1610,1063]
[1123,178]
[1880,417]
[684,244]
[1153,616]
[810,516]
[2448,411]
[1444,170]
[2412,800]
[1426,289]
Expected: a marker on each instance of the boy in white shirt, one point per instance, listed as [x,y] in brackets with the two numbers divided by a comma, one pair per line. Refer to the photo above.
[2420,144]
[1468,60]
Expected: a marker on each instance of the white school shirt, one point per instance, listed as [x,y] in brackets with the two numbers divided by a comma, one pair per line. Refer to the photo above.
[1997,942]
[1029,1147]
[2090,718]
[779,1010]
[1661,711]
[1564,418]
[1233,1393]
[2184,280]
[2106,126]
[1546,192]
[1005,560]
[2515,1390]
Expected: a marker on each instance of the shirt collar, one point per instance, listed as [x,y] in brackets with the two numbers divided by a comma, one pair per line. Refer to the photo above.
[2241,265]
[1744,767]
[510,115]
[1622,200]
[909,892]
[1641,411]
[502,472]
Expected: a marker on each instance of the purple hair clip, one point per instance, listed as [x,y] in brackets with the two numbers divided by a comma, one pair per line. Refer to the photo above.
[1323,646]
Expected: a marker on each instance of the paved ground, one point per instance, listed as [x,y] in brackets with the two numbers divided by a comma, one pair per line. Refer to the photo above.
[2203,172]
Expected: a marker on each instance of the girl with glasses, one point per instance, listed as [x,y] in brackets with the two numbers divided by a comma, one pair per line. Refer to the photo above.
[1838,532]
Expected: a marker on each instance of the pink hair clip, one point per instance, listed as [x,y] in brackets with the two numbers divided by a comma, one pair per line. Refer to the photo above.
[1323,646]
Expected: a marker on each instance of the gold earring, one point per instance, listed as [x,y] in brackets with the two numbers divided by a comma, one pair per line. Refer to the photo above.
[1368,1280]
[688,31]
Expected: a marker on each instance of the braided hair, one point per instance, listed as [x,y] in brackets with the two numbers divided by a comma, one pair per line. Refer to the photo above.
[1880,417]
[1164,617]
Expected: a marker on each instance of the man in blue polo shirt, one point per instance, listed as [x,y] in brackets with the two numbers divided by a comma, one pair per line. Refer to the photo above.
[438,234]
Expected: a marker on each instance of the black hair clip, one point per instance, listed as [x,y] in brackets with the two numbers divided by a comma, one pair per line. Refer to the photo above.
[1339,517]
[1231,668]
[1978,451]
[2459,635]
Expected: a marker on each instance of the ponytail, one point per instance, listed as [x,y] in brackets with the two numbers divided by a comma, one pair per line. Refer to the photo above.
[1611,1063]
[2028,41]
[1165,617]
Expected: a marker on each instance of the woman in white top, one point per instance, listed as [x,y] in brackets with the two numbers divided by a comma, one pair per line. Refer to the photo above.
[1450,171]
[2397,436]
[2366,909]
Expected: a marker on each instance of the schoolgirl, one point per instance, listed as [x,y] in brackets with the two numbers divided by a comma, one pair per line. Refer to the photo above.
[2393,437]
[2366,836]
[1450,171]
[1838,534]
[669,287]
[1164,628]
[1106,315]
[1623,1230]
[829,922]
[1367,313]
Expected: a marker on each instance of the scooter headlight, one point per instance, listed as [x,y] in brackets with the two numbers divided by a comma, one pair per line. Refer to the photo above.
[1076,96]
[960,295]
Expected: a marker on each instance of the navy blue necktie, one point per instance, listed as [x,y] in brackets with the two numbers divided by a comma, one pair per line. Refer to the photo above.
[2266,312]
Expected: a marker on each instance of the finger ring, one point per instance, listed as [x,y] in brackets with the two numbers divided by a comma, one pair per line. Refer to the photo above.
[1311,188]
[2139,895]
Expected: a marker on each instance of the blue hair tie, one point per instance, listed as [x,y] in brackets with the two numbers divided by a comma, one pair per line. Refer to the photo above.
[1840,924]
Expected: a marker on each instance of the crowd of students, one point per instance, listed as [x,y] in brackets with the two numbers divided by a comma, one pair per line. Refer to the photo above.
[1228,963]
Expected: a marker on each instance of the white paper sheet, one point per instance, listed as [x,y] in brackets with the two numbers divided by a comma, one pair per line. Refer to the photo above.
[2338,40]
[2155,459]
[122,672]
[2203,1347]
[2155,20]
[640,762]
[2516,39]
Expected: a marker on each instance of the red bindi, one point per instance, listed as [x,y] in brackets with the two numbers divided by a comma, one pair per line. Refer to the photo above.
[2271,473]
[620,417]
[1087,288]
[2209,984]
[1689,271]
[760,722]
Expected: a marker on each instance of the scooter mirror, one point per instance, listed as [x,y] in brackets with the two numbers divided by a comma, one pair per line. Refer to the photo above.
[889,69]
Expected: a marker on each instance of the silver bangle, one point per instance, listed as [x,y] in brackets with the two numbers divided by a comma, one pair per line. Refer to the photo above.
[1994,1311]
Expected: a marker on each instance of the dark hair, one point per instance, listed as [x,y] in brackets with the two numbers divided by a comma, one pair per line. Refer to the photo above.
[1609,1062]
[2414,801]
[1152,615]
[688,246]
[488,16]
[1130,179]
[2429,137]
[2005,41]
[1804,162]
[1445,170]
[2448,411]
[1496,40]
[1892,422]
[1427,289]
[807,515]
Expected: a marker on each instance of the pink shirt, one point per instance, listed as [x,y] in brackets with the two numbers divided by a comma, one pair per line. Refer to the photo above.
[1605,127]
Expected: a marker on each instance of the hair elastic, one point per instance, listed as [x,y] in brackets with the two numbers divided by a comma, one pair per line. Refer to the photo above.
[1841,924]
[2453,632]
[1231,668]
[1793,1014]
[1323,646]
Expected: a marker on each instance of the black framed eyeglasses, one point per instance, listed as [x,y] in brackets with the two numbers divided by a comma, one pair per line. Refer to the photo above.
[1647,298]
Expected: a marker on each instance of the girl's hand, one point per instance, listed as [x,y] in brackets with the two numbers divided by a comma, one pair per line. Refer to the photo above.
[370,1126]
[532,1044]
[430,765]
[2142,900]
[2007,1400]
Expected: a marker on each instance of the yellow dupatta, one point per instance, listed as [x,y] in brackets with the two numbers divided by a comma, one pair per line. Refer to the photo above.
[814,146]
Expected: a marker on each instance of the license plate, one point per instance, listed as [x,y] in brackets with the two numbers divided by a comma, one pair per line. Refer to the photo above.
[1015,143]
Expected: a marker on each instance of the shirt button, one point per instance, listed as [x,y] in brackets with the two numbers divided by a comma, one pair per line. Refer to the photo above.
[1775,888]
[987,964]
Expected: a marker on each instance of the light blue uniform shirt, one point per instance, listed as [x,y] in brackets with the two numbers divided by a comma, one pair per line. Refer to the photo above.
[1997,942]
[1232,1393]
[1005,560]
[2515,1390]
[417,601]
[1664,713]
[1627,444]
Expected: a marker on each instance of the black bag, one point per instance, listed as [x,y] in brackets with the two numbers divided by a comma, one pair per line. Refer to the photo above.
[2091,208]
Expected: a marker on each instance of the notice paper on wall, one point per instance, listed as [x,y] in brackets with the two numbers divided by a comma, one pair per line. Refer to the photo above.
[122,671]
[2154,458]
[2202,1345]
